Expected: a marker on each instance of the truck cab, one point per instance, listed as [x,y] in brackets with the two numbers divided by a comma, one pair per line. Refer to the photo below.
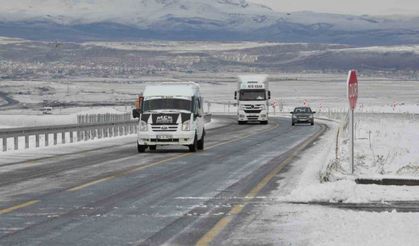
[253,99]
[171,114]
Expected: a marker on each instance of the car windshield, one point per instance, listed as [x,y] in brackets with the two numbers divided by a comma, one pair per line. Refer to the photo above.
[252,95]
[302,110]
[167,104]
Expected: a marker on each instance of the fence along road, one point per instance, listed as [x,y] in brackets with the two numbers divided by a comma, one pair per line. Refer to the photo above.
[89,127]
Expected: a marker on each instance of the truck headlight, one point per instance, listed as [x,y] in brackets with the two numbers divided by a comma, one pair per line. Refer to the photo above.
[186,126]
[263,106]
[143,126]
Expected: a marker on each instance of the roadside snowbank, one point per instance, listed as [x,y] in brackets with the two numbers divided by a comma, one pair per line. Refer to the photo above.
[385,147]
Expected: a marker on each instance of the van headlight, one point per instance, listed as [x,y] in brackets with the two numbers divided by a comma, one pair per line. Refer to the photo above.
[186,126]
[143,126]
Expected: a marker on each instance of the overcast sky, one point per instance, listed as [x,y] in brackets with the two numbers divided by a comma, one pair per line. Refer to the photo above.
[371,7]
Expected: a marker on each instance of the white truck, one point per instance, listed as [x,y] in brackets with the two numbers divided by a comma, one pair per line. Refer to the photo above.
[253,99]
[171,114]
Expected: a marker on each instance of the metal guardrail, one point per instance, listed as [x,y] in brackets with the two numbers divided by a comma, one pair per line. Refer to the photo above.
[75,133]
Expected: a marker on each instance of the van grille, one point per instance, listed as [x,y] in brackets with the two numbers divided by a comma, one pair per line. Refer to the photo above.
[164,128]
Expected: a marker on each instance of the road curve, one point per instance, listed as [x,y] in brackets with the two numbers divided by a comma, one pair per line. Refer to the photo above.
[9,101]
[114,196]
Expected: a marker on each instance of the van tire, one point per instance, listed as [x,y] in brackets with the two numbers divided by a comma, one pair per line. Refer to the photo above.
[265,122]
[242,122]
[201,142]
[141,148]
[194,146]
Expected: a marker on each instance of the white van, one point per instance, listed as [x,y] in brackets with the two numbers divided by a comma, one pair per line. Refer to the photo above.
[171,114]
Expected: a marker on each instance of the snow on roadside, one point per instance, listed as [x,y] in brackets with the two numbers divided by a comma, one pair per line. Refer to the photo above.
[385,147]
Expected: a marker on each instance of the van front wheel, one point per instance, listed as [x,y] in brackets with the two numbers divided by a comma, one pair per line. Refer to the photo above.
[201,142]
[194,146]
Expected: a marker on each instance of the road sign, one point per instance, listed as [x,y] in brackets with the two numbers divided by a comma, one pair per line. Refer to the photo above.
[352,85]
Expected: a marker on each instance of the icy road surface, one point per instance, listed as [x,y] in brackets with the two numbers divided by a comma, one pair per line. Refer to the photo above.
[115,196]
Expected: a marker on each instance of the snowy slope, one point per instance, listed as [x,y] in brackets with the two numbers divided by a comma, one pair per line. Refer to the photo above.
[195,20]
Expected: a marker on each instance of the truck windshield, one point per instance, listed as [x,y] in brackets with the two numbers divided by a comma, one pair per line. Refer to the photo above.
[252,95]
[167,104]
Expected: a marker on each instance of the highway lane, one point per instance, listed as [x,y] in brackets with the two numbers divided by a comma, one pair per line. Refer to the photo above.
[114,196]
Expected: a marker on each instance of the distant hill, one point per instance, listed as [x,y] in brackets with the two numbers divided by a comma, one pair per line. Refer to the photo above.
[217,20]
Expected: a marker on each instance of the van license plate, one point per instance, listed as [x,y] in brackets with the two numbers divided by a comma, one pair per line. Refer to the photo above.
[164,137]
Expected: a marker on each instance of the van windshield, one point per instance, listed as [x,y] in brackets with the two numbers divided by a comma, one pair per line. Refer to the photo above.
[167,104]
[252,95]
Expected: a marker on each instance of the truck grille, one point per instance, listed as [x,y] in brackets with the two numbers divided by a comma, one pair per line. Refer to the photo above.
[253,107]
[252,111]
[164,128]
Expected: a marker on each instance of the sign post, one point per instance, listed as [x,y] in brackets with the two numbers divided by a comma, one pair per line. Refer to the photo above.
[352,85]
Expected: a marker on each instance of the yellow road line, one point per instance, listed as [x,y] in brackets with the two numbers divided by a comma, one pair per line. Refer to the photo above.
[158,163]
[23,205]
[77,188]
[246,136]
[225,221]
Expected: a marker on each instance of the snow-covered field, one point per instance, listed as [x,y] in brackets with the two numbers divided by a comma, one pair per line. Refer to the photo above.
[180,46]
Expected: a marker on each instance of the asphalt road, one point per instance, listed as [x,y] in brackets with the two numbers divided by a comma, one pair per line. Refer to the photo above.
[115,196]
[9,101]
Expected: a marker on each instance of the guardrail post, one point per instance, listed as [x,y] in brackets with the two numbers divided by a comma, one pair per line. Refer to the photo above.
[37,140]
[55,138]
[27,142]
[71,136]
[16,143]
[46,139]
[4,144]
[63,137]
[85,135]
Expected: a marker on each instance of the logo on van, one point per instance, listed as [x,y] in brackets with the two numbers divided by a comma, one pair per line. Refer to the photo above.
[164,119]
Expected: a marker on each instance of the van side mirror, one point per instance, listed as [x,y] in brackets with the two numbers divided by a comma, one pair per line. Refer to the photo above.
[314,112]
[291,112]
[235,95]
[135,113]
[269,94]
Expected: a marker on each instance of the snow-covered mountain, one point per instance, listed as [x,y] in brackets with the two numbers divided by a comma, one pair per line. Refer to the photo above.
[194,20]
